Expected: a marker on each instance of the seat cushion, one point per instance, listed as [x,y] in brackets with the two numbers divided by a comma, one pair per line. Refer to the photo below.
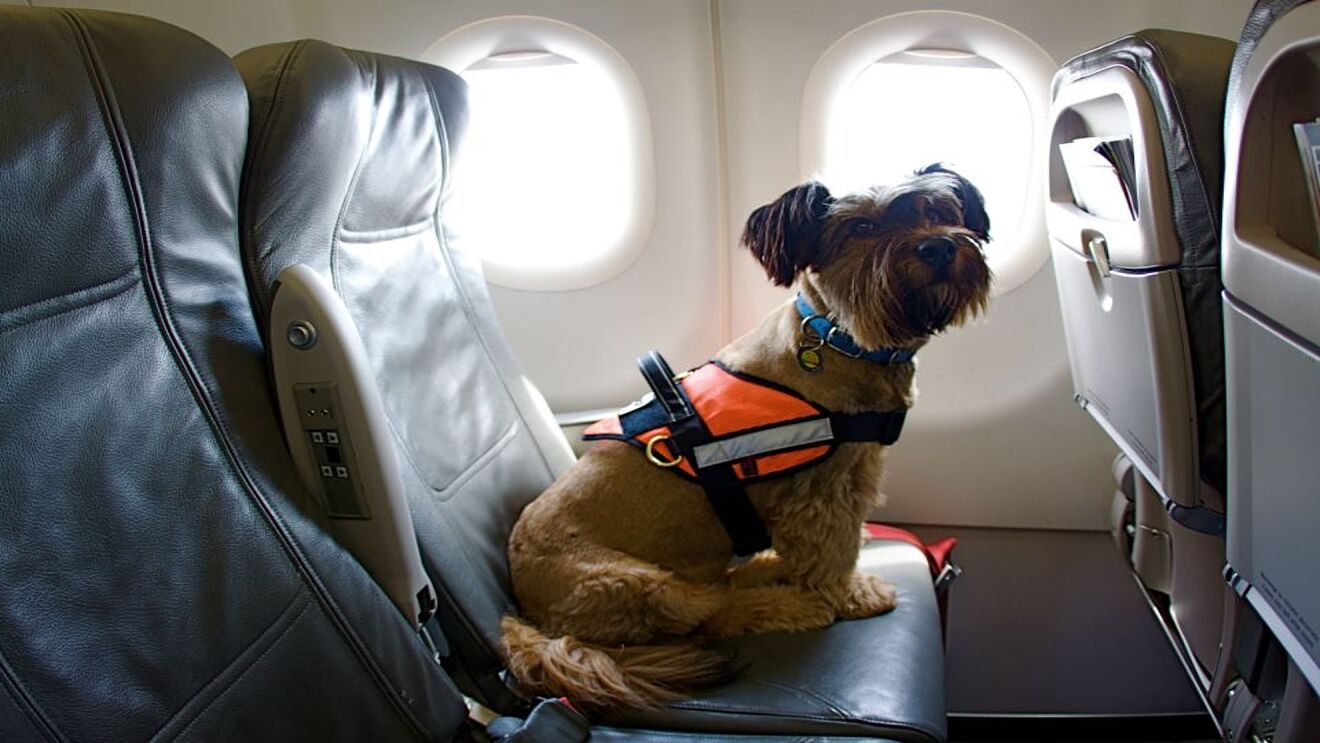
[879,677]
[1186,75]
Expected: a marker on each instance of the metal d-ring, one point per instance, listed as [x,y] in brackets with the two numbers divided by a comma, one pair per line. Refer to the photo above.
[810,333]
[657,461]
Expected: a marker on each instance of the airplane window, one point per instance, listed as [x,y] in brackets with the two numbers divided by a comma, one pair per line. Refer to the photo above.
[924,106]
[553,181]
[913,88]
[542,173]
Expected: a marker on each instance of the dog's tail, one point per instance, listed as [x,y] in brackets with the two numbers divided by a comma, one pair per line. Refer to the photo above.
[597,677]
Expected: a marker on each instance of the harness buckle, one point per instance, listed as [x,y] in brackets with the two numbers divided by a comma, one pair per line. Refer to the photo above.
[656,460]
[828,341]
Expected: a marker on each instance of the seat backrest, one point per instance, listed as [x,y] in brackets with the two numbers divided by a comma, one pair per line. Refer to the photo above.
[1140,295]
[158,575]
[1145,332]
[347,172]
[1272,316]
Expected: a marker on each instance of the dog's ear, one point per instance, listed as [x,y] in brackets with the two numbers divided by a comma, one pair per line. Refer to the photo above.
[974,216]
[784,235]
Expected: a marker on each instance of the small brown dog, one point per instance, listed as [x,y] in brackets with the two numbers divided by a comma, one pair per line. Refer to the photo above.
[622,569]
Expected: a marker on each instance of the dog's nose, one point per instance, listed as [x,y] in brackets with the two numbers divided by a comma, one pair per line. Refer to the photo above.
[937,251]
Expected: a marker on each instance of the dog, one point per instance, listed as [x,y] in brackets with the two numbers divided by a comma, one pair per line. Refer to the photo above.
[622,570]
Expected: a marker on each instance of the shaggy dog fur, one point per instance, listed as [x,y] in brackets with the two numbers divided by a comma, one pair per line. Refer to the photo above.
[621,569]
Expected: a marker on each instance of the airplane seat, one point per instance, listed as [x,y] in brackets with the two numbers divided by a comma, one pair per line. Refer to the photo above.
[1135,168]
[162,576]
[349,160]
[1271,269]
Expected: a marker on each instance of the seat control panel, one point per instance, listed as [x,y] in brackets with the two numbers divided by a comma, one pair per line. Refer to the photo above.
[332,451]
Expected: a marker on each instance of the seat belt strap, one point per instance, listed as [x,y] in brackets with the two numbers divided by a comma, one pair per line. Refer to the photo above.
[550,720]
[942,569]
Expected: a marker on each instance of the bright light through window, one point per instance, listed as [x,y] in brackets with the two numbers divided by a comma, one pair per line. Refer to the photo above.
[902,113]
[544,173]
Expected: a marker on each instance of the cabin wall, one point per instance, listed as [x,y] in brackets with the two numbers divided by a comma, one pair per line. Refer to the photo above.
[995,439]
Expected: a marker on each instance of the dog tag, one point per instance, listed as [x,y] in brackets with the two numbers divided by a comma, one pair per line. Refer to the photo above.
[809,358]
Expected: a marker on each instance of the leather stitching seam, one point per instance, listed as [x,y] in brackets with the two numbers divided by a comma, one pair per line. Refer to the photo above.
[65,303]
[233,682]
[286,616]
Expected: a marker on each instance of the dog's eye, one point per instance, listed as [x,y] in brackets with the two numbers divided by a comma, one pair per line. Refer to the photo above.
[862,228]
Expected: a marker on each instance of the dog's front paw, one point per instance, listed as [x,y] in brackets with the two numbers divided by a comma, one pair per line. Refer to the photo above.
[866,596]
[764,569]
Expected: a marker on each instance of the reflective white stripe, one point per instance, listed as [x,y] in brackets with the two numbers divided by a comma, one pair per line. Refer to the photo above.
[788,436]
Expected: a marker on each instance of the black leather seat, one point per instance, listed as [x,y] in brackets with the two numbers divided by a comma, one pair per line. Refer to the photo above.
[348,161]
[159,576]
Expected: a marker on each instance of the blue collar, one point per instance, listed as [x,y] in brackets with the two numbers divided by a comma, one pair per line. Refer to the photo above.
[834,337]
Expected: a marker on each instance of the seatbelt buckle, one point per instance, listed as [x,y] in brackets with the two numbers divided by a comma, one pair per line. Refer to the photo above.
[948,574]
[550,720]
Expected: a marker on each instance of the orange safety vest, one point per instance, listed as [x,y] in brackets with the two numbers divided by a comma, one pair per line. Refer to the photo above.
[723,429]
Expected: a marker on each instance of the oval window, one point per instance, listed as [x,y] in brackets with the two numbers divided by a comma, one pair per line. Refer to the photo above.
[916,88]
[924,106]
[554,180]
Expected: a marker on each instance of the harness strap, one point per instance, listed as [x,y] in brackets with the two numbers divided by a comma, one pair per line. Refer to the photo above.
[729,499]
[724,490]
[881,427]
[660,378]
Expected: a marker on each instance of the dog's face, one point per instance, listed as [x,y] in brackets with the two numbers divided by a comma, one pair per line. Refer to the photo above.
[895,264]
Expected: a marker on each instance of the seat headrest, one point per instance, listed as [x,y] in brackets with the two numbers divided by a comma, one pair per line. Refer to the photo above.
[367,142]
[1263,15]
[113,158]
[1185,74]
